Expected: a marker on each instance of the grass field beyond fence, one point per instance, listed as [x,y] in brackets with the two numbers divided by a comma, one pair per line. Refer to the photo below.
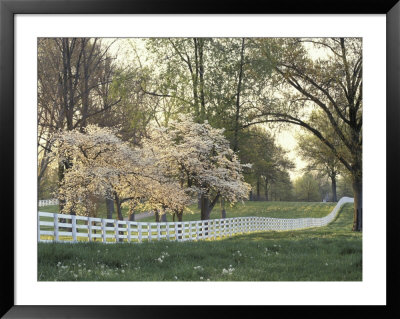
[331,253]
[248,208]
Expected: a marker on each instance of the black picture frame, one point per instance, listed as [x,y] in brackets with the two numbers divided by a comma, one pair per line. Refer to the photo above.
[8,9]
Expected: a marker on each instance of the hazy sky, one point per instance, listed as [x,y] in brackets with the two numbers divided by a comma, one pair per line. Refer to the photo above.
[284,137]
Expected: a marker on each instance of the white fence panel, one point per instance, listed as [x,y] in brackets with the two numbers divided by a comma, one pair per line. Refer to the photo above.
[71,228]
[47,202]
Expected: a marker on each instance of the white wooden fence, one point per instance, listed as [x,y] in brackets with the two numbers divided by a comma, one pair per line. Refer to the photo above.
[48,202]
[61,227]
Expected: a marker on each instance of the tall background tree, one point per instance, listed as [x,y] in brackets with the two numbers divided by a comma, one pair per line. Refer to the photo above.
[269,162]
[325,75]
[307,189]
[320,159]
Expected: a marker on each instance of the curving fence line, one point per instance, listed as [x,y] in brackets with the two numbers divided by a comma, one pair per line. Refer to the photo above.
[47,202]
[71,228]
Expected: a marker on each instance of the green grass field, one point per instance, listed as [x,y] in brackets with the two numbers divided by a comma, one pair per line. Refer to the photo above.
[331,253]
[256,209]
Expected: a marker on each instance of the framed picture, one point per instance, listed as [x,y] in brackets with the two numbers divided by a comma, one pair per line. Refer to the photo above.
[25,26]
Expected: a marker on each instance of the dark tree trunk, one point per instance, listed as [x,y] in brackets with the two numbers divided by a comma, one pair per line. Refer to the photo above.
[258,188]
[334,195]
[164,217]
[118,202]
[266,189]
[119,209]
[157,215]
[198,200]
[110,208]
[205,214]
[357,189]
[207,206]
[223,211]
[201,73]
[179,214]
[61,202]
[131,213]
[251,196]
[238,104]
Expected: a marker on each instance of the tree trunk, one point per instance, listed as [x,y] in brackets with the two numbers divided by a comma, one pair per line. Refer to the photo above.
[238,92]
[131,213]
[119,209]
[223,212]
[198,200]
[201,66]
[206,208]
[357,189]
[266,189]
[334,195]
[157,215]
[179,214]
[61,202]
[204,212]
[119,213]
[258,188]
[164,217]
[110,208]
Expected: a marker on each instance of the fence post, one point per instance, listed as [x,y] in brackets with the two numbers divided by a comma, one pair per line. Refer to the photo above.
[90,228]
[158,232]
[73,218]
[176,231]
[38,227]
[167,230]
[140,232]
[55,216]
[128,228]
[149,231]
[116,231]
[103,230]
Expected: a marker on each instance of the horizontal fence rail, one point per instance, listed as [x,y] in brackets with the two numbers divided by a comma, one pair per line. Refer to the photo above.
[71,228]
[48,202]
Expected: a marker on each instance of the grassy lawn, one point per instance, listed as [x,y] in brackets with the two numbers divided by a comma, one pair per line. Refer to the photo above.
[255,209]
[331,253]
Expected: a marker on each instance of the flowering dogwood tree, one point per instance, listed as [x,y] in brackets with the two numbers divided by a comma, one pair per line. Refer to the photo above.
[172,165]
[102,165]
[199,156]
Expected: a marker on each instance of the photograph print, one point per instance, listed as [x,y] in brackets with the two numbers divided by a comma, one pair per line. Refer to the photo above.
[199,159]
